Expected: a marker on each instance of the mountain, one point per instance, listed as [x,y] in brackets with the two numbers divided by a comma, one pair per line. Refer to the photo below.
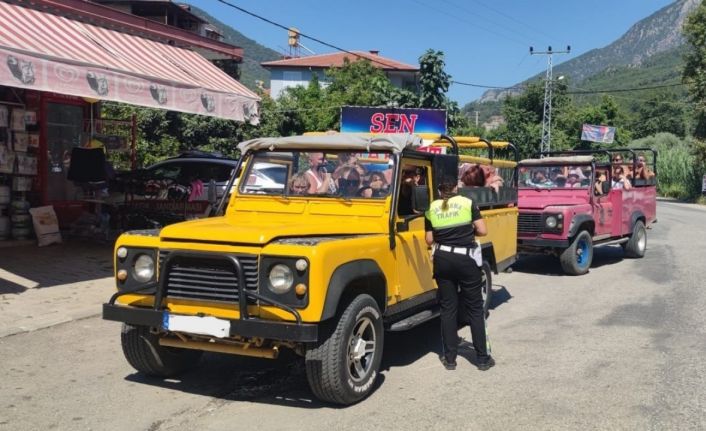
[656,37]
[250,69]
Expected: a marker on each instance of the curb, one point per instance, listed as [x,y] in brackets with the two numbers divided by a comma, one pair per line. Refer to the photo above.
[58,320]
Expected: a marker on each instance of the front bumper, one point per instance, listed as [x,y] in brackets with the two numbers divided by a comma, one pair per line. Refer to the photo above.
[300,332]
[537,243]
[245,326]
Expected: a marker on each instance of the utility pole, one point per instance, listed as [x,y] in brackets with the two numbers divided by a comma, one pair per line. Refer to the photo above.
[546,144]
[476,118]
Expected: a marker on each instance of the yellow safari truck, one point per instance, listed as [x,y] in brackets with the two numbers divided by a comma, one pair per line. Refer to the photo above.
[323,263]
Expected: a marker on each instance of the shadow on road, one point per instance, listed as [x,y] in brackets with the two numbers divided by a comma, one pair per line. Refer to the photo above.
[283,381]
[500,296]
[30,267]
[549,265]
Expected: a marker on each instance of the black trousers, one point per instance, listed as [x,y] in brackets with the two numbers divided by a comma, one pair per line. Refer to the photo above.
[460,294]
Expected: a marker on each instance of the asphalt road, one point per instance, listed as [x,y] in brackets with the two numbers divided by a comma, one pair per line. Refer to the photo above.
[620,348]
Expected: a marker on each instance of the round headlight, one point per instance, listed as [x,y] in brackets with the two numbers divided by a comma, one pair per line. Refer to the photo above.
[121,253]
[550,222]
[144,268]
[281,279]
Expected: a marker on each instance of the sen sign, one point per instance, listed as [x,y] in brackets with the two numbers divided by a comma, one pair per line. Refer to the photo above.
[356,119]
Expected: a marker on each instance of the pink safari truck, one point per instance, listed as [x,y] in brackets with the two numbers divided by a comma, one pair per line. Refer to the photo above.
[570,202]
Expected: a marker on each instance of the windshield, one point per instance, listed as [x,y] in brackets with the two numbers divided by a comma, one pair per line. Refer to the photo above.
[555,176]
[321,174]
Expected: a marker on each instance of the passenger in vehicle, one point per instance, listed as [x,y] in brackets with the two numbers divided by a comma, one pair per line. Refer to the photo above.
[642,171]
[378,184]
[350,184]
[578,172]
[411,177]
[573,180]
[299,184]
[320,180]
[627,167]
[560,181]
[539,179]
[619,180]
[600,179]
[474,176]
[348,160]
[492,179]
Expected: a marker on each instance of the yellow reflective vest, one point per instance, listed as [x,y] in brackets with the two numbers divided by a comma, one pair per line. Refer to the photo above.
[458,213]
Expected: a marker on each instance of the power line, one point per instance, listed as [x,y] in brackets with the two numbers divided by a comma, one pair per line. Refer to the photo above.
[516,20]
[492,87]
[622,90]
[486,19]
[659,102]
[473,23]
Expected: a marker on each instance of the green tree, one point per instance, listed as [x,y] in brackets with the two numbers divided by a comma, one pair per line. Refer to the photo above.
[662,113]
[434,83]
[695,65]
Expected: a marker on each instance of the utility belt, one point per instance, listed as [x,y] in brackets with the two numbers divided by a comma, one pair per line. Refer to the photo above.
[474,252]
[466,251]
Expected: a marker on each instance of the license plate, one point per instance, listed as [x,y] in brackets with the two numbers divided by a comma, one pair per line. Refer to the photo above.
[207,325]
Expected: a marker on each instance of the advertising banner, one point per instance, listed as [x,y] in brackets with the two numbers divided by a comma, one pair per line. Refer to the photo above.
[359,119]
[602,134]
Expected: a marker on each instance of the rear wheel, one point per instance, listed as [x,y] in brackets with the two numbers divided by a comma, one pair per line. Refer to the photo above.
[343,366]
[143,351]
[487,288]
[576,259]
[637,244]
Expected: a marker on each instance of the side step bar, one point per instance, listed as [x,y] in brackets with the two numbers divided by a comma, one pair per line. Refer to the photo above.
[614,241]
[415,320]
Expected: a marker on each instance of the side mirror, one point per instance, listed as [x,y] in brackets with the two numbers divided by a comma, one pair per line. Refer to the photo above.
[605,187]
[420,199]
[211,193]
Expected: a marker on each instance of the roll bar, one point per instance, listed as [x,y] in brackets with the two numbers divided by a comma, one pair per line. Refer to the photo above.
[609,152]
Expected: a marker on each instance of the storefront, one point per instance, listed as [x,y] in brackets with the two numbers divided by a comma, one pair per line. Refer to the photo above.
[53,81]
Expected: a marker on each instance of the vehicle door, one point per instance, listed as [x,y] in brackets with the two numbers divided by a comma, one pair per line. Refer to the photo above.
[603,206]
[412,255]
[207,171]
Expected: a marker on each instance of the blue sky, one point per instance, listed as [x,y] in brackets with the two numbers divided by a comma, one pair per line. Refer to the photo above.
[484,41]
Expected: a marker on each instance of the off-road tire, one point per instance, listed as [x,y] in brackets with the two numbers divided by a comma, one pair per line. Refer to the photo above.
[142,350]
[637,244]
[577,258]
[327,368]
[487,287]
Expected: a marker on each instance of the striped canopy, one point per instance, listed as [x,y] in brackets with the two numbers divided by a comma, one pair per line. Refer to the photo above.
[47,52]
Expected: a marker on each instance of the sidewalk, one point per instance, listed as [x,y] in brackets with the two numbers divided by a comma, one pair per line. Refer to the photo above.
[42,287]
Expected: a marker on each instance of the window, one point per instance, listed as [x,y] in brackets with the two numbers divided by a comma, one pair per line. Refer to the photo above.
[325,174]
[292,76]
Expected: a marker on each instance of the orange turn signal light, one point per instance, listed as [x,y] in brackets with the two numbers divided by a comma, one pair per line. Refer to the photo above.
[122,275]
[300,289]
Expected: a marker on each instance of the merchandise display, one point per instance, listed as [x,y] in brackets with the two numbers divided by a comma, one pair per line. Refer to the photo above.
[19,148]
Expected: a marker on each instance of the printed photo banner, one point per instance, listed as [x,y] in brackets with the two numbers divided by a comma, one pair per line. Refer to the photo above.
[36,73]
[602,134]
[359,119]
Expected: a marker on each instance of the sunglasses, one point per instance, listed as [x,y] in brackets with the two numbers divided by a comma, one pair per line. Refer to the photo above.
[617,160]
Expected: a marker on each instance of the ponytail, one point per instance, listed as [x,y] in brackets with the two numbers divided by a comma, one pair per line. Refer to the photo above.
[446,191]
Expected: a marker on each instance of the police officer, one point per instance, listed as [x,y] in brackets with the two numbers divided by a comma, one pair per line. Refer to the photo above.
[452,223]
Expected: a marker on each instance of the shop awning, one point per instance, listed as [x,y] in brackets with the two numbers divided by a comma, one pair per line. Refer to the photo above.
[46,52]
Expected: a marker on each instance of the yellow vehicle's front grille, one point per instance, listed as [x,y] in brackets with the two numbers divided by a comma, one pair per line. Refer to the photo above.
[207,278]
